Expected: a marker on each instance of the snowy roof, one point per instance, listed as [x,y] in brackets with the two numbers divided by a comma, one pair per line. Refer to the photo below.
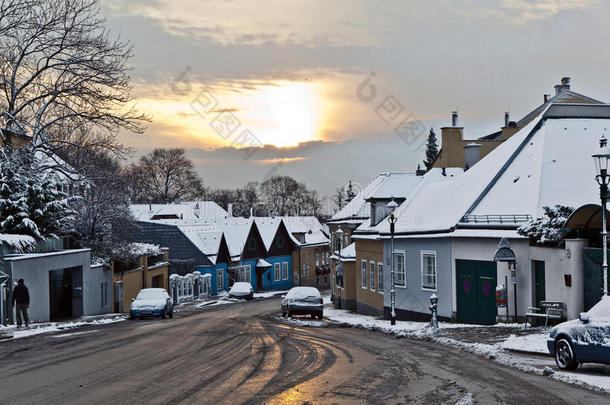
[428,209]
[193,210]
[314,232]
[384,186]
[205,236]
[432,180]
[267,226]
[18,243]
[545,163]
[554,166]
[263,263]
[347,253]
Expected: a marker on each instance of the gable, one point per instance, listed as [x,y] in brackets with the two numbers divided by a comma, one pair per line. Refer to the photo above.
[282,244]
[254,246]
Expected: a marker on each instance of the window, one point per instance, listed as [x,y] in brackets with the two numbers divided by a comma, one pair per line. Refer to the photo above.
[219,280]
[317,259]
[284,270]
[302,238]
[400,272]
[251,244]
[243,272]
[326,256]
[279,242]
[363,273]
[428,270]
[372,277]
[380,277]
[305,270]
[276,271]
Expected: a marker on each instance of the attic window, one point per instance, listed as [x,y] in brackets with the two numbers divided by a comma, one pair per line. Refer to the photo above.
[279,242]
[251,244]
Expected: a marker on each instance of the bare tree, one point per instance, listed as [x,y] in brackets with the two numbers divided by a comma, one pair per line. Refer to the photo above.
[169,175]
[339,198]
[63,78]
[135,187]
[279,193]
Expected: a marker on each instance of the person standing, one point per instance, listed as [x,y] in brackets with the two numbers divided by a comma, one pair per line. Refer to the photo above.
[21,296]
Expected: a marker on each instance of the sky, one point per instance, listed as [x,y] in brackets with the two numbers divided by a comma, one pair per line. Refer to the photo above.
[331,91]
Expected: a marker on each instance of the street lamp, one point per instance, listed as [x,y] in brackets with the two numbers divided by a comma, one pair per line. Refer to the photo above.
[602,158]
[392,207]
[339,268]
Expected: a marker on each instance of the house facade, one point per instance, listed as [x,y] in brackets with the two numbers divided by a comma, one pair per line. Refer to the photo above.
[131,276]
[450,251]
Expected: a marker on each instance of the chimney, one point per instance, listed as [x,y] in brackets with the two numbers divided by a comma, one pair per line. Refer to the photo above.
[128,201]
[506,119]
[565,85]
[230,209]
[454,118]
[546,97]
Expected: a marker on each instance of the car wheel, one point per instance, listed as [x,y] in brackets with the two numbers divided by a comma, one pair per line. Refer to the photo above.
[283,314]
[164,313]
[313,316]
[289,314]
[320,315]
[171,313]
[131,317]
[564,355]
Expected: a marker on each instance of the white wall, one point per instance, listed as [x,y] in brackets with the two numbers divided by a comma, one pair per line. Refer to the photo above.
[556,261]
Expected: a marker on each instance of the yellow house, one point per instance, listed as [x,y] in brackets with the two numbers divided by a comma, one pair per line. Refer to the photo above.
[369,276]
[145,271]
[457,151]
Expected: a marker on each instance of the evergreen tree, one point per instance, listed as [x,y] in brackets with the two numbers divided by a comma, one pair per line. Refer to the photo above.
[49,208]
[14,213]
[431,149]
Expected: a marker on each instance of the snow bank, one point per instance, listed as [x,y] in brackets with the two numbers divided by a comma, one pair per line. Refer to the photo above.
[52,327]
[535,343]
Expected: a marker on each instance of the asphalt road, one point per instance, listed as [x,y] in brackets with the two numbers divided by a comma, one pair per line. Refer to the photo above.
[243,353]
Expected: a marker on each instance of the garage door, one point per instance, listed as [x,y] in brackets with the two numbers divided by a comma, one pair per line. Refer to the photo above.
[476,286]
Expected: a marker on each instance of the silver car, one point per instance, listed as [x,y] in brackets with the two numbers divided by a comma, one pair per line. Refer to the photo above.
[303,301]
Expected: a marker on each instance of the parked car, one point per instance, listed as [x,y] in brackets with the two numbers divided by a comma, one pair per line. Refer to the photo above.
[303,301]
[242,290]
[583,340]
[152,302]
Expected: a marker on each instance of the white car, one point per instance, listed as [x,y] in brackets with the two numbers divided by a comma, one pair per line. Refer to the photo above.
[242,290]
[152,302]
[303,301]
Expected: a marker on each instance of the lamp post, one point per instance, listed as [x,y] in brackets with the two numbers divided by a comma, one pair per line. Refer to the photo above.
[392,206]
[339,268]
[601,157]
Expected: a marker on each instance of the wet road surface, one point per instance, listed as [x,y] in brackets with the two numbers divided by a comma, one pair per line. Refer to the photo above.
[243,353]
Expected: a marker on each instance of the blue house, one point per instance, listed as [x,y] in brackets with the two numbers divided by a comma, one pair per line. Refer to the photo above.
[279,245]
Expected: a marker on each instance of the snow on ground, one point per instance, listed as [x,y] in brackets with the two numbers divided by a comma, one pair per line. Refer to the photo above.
[511,351]
[52,327]
[465,400]
[268,294]
[304,322]
[535,343]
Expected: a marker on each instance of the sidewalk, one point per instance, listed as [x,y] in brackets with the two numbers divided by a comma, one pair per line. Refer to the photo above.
[12,332]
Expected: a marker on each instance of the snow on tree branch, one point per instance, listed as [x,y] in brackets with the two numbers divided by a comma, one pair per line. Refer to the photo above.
[546,230]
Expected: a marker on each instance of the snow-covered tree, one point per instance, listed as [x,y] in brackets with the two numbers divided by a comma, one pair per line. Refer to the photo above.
[30,203]
[546,230]
[431,149]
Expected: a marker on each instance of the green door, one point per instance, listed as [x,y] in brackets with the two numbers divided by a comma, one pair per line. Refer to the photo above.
[476,286]
[539,284]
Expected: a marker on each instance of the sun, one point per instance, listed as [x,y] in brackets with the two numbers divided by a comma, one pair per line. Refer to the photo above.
[289,113]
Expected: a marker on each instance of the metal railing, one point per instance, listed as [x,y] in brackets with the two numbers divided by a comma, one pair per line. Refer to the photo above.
[496,219]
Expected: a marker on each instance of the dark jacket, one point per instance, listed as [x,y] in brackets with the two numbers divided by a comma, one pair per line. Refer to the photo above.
[21,295]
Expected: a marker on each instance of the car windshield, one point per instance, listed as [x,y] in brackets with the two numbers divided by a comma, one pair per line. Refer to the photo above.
[301,293]
[241,287]
[150,294]
[601,310]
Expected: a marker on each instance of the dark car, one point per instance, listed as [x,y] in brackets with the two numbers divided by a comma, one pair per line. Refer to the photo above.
[152,302]
[242,290]
[303,301]
[583,340]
